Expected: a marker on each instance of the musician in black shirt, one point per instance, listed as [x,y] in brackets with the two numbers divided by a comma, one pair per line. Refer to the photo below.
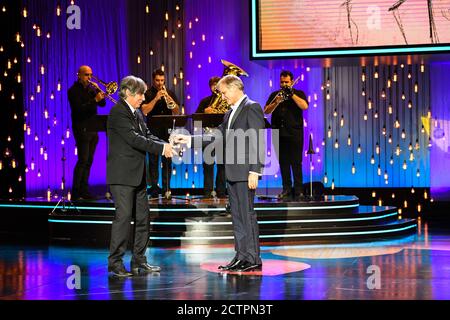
[84,97]
[157,101]
[286,106]
[208,168]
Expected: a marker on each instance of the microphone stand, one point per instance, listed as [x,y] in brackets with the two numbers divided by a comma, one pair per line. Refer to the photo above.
[63,199]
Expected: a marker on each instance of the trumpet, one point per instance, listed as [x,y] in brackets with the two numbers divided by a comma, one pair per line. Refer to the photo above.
[169,102]
[110,88]
[285,92]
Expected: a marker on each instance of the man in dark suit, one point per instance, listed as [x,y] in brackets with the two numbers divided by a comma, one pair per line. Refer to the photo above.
[129,140]
[84,97]
[242,133]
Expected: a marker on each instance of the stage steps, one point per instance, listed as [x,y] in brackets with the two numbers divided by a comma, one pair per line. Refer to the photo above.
[336,218]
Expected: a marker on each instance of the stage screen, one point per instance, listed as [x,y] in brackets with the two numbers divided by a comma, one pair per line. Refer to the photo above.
[311,28]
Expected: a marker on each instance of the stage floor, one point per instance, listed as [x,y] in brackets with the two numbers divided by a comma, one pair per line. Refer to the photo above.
[415,267]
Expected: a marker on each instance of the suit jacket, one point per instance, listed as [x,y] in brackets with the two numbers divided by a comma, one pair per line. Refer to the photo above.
[128,141]
[244,149]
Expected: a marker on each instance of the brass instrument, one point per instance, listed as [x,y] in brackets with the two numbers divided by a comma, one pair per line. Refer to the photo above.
[169,103]
[283,92]
[110,87]
[219,105]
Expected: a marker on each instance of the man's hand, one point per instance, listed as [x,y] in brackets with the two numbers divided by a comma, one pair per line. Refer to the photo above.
[99,97]
[209,110]
[180,138]
[252,181]
[168,152]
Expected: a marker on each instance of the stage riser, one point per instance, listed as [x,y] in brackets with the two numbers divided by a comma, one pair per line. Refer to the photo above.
[298,229]
[289,240]
[279,226]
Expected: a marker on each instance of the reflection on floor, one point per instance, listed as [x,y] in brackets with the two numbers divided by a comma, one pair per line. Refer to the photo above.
[415,267]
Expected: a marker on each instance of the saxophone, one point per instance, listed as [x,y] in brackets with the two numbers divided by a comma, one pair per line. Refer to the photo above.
[219,105]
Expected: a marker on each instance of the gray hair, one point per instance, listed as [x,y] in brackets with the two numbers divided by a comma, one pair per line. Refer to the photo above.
[134,84]
[231,81]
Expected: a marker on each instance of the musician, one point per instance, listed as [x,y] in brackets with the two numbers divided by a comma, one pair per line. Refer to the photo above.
[157,98]
[287,117]
[208,168]
[84,97]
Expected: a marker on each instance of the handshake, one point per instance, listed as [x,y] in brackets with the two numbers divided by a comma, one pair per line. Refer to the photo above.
[175,145]
[177,139]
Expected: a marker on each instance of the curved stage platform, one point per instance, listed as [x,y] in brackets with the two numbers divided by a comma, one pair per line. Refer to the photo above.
[206,221]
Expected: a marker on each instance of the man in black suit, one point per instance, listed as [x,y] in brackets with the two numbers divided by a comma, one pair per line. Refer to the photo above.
[242,132]
[286,106]
[84,99]
[208,166]
[129,141]
[157,101]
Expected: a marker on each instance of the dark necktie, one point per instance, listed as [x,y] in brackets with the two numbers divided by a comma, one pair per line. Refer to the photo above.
[136,119]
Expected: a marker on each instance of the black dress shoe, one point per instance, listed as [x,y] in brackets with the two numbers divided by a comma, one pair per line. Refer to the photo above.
[286,195]
[119,271]
[144,268]
[245,266]
[87,196]
[232,264]
[300,197]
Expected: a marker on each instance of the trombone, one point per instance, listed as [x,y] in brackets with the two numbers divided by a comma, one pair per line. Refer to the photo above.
[110,88]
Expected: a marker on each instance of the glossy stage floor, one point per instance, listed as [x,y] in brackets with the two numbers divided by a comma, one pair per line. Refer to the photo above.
[411,267]
[329,249]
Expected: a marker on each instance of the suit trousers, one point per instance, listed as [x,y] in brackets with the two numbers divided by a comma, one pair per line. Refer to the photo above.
[130,202]
[245,224]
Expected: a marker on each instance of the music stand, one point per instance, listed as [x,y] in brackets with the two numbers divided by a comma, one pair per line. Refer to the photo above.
[310,152]
[168,122]
[100,126]
[208,120]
